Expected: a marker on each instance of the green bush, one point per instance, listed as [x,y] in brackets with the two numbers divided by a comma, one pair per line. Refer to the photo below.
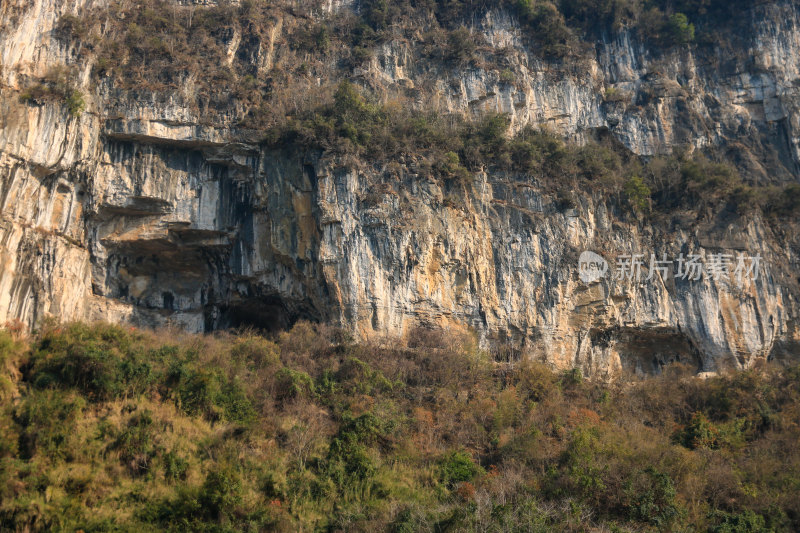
[75,103]
[507,76]
[451,167]
[457,467]
[221,493]
[88,366]
[461,45]
[235,404]
[255,351]
[637,194]
[612,94]
[785,202]
[9,347]
[208,394]
[377,13]
[198,392]
[349,463]
[547,27]
[699,433]
[410,519]
[135,443]
[315,39]
[536,381]
[58,85]
[583,463]
[538,151]
[356,375]
[348,104]
[746,522]
[597,14]
[348,459]
[47,421]
[175,466]
[572,377]
[681,31]
[292,384]
[653,499]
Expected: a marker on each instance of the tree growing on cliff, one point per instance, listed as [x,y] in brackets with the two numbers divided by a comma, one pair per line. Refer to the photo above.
[637,193]
[681,31]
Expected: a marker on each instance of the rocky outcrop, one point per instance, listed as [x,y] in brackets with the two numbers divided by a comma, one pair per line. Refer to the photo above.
[141,211]
[652,100]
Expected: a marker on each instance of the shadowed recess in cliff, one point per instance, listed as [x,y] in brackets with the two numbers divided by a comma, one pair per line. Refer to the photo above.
[268,313]
[168,279]
[648,351]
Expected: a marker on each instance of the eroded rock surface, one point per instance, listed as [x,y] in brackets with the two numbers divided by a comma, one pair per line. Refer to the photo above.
[142,211]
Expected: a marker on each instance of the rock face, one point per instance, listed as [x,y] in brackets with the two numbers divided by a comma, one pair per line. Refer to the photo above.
[141,211]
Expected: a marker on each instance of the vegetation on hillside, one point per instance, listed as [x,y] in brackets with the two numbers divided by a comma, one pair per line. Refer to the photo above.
[159,45]
[453,148]
[58,85]
[166,39]
[105,428]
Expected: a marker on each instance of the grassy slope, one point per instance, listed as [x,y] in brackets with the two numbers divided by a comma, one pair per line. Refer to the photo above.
[109,428]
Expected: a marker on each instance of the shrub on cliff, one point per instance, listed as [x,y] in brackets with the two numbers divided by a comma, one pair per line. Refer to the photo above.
[637,193]
[681,31]
[784,202]
[546,26]
[58,85]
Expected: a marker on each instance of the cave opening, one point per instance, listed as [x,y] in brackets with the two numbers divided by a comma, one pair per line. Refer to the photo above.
[268,314]
[649,351]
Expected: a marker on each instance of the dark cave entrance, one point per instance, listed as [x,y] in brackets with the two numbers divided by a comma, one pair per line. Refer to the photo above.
[169,300]
[649,351]
[268,314]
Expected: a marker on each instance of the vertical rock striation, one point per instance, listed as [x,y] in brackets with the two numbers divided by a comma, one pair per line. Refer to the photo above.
[140,211]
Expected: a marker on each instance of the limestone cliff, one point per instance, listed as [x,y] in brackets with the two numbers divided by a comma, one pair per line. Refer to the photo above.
[148,210]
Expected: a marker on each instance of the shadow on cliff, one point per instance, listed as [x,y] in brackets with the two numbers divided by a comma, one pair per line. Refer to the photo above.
[267,314]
